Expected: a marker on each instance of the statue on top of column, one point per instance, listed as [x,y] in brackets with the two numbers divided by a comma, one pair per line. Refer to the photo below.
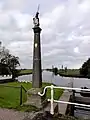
[36,19]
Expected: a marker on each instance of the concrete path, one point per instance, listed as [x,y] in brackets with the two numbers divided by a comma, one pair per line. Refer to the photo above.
[9,114]
[65,97]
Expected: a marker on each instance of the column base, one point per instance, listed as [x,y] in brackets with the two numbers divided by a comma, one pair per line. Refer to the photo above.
[34,99]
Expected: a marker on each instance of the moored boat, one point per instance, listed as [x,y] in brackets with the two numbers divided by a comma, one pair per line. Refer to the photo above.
[85,93]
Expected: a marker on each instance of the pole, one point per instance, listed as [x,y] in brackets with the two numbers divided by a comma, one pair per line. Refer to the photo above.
[52,109]
[21,95]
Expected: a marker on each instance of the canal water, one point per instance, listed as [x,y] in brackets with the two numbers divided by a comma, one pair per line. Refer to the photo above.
[47,77]
[58,80]
[63,81]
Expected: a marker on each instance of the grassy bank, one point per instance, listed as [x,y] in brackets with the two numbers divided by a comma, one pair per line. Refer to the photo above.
[10,97]
[71,73]
[25,72]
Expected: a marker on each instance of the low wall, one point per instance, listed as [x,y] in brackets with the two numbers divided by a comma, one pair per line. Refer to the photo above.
[62,108]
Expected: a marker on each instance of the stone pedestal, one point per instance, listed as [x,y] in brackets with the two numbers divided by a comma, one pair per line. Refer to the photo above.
[34,99]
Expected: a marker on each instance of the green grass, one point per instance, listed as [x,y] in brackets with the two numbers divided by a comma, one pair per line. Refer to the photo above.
[10,97]
[57,92]
[25,72]
[70,73]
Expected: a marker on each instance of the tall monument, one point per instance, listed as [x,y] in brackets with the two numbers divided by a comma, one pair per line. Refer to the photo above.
[32,94]
[37,71]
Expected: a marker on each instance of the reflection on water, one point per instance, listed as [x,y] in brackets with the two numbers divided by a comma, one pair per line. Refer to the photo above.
[63,81]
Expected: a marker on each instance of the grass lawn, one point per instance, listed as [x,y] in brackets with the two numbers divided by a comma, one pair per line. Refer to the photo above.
[10,97]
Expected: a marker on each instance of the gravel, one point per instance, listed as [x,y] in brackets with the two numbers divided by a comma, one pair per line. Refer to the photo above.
[9,114]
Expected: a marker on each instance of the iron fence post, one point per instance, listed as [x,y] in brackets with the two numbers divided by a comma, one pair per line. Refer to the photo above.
[21,95]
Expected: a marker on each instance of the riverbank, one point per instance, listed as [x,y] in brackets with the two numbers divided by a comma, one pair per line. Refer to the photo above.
[24,72]
[70,73]
[73,75]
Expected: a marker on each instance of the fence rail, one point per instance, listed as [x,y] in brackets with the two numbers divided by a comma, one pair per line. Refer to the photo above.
[21,88]
[10,86]
[64,102]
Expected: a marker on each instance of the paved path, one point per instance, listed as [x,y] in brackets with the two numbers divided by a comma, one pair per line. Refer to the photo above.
[65,97]
[9,114]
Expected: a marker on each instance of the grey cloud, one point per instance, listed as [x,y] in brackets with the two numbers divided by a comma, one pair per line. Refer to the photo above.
[64,28]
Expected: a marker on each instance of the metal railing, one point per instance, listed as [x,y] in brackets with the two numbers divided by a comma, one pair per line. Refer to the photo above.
[64,102]
[21,88]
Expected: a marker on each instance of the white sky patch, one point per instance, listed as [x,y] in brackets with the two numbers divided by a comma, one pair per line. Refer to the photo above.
[85,6]
[52,52]
[22,19]
[65,30]
[76,50]
[80,27]
[14,4]
[71,37]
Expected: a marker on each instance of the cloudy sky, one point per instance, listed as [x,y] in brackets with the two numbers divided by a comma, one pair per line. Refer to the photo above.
[65,36]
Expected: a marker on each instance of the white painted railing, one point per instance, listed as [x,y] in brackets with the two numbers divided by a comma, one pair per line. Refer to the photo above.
[65,102]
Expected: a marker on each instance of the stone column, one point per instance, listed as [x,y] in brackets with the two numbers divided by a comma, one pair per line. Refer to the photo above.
[32,95]
[37,71]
